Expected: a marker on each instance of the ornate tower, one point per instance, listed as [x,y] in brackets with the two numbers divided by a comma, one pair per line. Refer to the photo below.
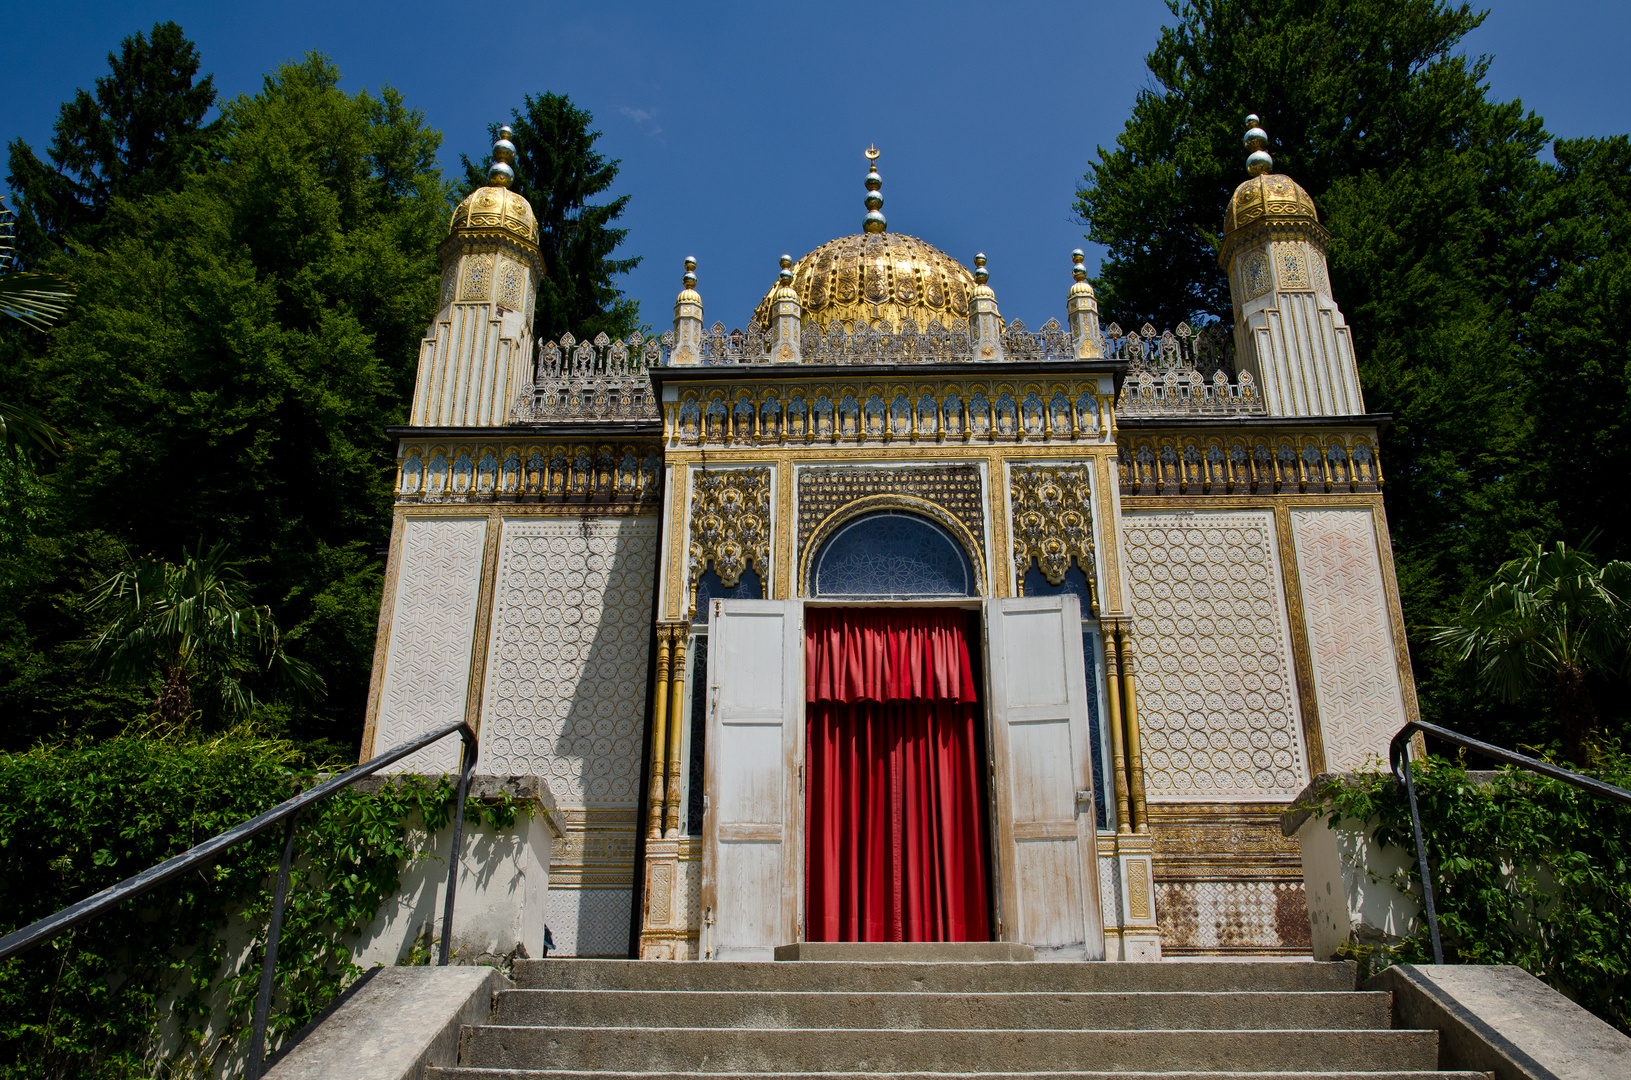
[477,356]
[1289,332]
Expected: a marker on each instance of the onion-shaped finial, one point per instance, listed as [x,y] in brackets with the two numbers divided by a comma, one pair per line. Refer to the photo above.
[981,274]
[874,222]
[1077,270]
[786,275]
[1258,161]
[501,173]
[690,278]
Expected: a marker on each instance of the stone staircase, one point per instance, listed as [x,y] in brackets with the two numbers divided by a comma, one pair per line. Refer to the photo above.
[1217,1020]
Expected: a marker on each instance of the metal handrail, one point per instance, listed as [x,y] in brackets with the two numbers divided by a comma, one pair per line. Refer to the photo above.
[206,853]
[1399,762]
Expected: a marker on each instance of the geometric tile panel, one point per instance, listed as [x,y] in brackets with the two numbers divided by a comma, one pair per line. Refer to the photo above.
[1232,916]
[1217,710]
[566,668]
[1356,677]
[1110,891]
[589,922]
[427,666]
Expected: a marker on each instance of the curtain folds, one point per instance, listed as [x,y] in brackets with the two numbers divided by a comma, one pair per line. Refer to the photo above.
[897,845]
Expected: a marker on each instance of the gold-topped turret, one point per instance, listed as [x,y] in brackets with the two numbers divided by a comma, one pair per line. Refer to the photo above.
[1267,198]
[496,206]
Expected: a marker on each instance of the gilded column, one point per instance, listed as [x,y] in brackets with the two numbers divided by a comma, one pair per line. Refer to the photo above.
[676,729]
[659,723]
[1118,753]
[1135,755]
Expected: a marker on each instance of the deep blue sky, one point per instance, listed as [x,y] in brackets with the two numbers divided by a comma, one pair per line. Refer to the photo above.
[741,125]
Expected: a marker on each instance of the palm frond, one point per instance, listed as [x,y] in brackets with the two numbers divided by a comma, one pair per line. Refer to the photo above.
[27,431]
[36,300]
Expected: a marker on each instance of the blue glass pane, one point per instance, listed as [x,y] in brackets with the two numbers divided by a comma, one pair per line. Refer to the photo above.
[699,728]
[709,587]
[892,555]
[1075,582]
[1090,658]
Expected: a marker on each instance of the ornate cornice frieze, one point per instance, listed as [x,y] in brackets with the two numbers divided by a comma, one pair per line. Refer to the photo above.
[529,470]
[1257,461]
[730,526]
[887,411]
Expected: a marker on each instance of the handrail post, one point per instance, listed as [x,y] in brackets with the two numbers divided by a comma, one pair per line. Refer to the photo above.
[1421,861]
[468,754]
[263,1000]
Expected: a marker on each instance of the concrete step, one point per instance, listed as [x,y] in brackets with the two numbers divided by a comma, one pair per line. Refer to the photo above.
[527,1074]
[1110,1010]
[828,1050]
[990,978]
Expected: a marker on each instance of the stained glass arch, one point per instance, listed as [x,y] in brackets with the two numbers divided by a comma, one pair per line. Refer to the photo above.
[892,555]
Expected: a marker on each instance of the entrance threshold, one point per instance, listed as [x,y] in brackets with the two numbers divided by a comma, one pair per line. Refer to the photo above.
[913,952]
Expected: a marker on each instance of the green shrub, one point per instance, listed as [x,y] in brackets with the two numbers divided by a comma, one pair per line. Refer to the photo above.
[74,820]
[1526,870]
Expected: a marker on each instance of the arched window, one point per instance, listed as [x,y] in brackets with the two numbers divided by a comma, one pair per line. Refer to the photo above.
[709,587]
[892,556]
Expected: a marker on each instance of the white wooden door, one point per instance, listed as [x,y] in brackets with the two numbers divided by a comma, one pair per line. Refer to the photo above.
[1044,839]
[752,855]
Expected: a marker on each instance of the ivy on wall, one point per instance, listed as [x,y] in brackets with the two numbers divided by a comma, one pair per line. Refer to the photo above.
[1526,871]
[92,1002]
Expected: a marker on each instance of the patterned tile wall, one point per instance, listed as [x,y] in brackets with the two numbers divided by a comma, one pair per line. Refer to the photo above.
[1216,690]
[433,619]
[565,699]
[1356,677]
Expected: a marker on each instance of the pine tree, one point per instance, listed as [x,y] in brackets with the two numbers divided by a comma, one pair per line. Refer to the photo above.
[140,133]
[1456,254]
[559,170]
[226,372]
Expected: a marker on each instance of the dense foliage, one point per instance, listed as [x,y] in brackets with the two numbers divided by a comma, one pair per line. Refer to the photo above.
[558,170]
[1525,871]
[252,290]
[76,820]
[1483,282]
[237,346]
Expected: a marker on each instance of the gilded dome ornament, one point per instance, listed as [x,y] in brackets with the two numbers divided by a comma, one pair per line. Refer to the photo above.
[875,276]
[496,207]
[1267,200]
[874,222]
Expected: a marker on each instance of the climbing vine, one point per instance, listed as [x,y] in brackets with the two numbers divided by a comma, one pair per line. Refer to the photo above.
[165,985]
[1526,871]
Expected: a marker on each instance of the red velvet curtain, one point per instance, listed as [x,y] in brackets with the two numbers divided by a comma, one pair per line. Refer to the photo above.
[897,846]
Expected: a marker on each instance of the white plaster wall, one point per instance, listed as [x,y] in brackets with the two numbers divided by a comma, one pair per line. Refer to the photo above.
[1356,673]
[1349,879]
[433,621]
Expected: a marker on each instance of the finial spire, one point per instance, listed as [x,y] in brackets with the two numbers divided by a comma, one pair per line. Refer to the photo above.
[1077,270]
[690,278]
[874,222]
[1258,162]
[501,173]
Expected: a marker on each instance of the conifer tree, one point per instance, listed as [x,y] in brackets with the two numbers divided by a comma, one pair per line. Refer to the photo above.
[1481,282]
[559,170]
[140,132]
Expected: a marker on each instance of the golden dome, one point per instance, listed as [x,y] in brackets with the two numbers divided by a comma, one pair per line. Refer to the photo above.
[1270,197]
[874,276]
[495,208]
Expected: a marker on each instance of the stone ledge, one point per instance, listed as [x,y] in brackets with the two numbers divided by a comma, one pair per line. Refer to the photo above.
[1503,1020]
[394,1023]
[916,952]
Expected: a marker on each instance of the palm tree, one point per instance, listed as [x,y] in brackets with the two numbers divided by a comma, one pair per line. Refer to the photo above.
[1552,619]
[192,624]
[34,300]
